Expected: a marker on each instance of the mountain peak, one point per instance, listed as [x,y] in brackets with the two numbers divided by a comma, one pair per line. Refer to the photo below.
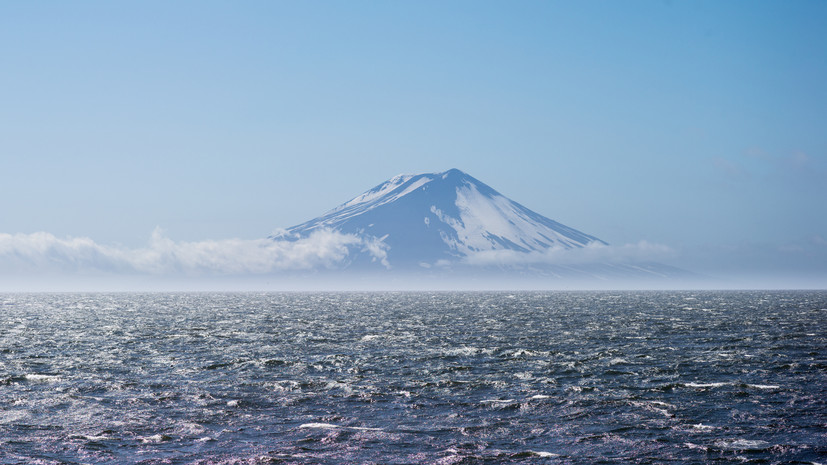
[453,172]
[437,218]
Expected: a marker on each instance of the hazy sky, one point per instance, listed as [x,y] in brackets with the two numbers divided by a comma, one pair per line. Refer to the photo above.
[699,126]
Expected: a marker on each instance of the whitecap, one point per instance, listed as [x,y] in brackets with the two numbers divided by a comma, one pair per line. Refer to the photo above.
[285,385]
[694,446]
[703,427]
[497,401]
[37,377]
[319,425]
[764,386]
[344,387]
[155,438]
[540,396]
[465,351]
[332,426]
[189,429]
[517,353]
[742,444]
[655,406]
[92,437]
[750,443]
[704,385]
[544,454]
[370,337]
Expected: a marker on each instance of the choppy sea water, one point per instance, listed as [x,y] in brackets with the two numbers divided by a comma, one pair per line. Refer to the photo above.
[407,378]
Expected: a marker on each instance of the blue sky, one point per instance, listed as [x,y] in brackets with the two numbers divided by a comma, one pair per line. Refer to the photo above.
[696,125]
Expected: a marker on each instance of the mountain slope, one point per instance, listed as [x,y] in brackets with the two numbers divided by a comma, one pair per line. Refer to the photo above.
[442,218]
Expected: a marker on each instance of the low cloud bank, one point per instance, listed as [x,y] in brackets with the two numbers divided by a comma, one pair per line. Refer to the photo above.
[39,253]
[45,253]
[42,261]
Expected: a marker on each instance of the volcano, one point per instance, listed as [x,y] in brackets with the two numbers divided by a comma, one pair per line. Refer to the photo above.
[440,219]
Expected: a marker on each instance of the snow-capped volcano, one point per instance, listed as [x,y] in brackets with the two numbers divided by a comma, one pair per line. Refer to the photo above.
[441,218]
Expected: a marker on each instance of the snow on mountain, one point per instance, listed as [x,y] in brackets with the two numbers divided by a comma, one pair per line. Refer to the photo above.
[438,219]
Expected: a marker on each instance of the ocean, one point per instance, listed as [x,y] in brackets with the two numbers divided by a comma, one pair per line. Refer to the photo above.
[414,378]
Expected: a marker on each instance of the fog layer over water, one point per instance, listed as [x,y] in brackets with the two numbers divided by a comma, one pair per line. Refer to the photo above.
[566,377]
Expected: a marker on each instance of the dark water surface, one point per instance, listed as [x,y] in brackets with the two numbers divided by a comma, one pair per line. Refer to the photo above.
[397,378]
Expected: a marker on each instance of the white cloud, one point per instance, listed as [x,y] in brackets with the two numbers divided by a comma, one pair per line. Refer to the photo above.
[45,253]
[592,253]
[378,250]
